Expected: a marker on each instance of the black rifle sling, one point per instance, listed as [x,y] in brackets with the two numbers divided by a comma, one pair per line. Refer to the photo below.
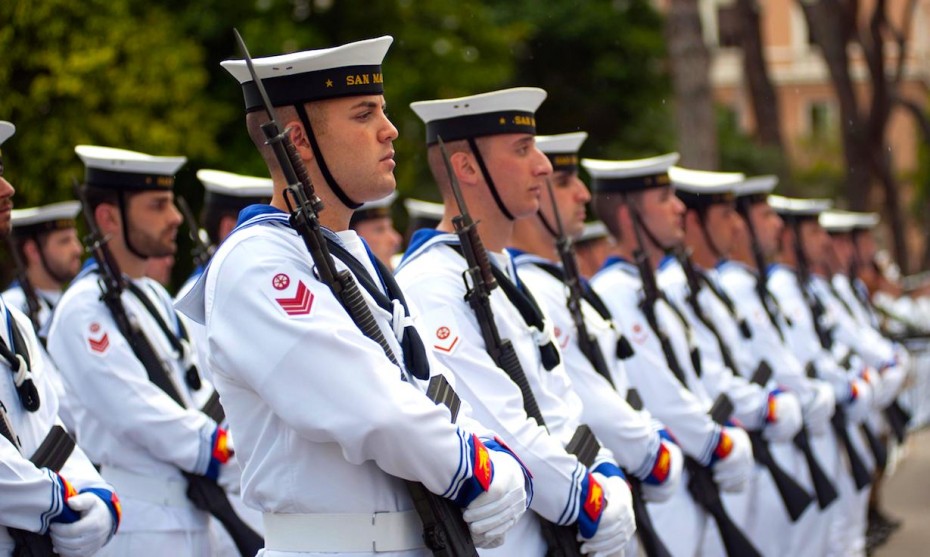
[624,349]
[27,391]
[725,353]
[414,353]
[191,375]
[529,310]
[727,301]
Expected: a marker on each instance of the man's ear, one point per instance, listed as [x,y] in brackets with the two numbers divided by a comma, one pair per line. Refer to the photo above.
[108,218]
[31,251]
[465,167]
[298,136]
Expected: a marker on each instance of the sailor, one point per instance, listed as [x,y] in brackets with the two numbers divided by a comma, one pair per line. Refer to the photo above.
[492,155]
[634,199]
[801,242]
[689,281]
[331,424]
[69,502]
[225,195]
[47,244]
[127,361]
[592,248]
[639,442]
[374,223]
[754,244]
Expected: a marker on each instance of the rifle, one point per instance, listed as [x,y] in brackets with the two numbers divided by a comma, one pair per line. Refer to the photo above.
[32,298]
[792,494]
[202,251]
[204,493]
[589,346]
[705,491]
[444,530]
[479,283]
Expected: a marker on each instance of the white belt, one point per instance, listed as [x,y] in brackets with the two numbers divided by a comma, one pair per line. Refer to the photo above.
[168,492]
[358,532]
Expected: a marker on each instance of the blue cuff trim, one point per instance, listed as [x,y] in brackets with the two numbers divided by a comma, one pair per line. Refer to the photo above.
[63,490]
[609,470]
[589,515]
[472,488]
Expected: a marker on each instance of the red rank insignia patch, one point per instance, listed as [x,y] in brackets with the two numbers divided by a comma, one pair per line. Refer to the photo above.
[724,446]
[98,345]
[594,503]
[663,464]
[445,340]
[482,464]
[300,303]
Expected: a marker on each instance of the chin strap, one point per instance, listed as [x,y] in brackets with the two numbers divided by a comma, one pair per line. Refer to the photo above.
[487,178]
[327,175]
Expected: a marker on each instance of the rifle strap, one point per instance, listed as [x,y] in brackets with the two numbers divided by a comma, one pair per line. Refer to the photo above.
[191,375]
[695,351]
[725,353]
[414,352]
[727,301]
[671,359]
[624,349]
[20,365]
[529,310]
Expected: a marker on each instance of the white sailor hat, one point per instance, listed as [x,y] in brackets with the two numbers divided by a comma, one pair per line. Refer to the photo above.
[6,131]
[796,208]
[835,221]
[226,189]
[629,176]
[562,149]
[379,208]
[119,169]
[311,75]
[700,188]
[497,112]
[423,214]
[593,230]
[756,188]
[36,220]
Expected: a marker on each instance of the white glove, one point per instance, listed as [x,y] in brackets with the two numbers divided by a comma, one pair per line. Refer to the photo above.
[496,510]
[787,421]
[819,409]
[86,535]
[665,490]
[893,379]
[732,472]
[617,524]
[857,410]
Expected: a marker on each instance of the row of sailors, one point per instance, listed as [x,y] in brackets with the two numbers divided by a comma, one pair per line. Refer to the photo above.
[328,425]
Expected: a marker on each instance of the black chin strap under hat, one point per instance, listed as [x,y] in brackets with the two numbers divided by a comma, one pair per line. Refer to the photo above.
[499,112]
[295,79]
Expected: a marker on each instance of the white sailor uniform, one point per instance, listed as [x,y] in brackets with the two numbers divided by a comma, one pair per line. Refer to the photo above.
[141,438]
[759,509]
[327,428]
[682,408]
[32,497]
[431,274]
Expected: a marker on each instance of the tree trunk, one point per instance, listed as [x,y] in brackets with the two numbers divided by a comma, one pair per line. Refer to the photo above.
[690,68]
[761,91]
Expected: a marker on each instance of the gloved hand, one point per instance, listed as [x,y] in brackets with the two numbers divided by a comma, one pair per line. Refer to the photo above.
[859,403]
[617,524]
[665,476]
[819,409]
[893,379]
[733,463]
[783,421]
[496,510]
[89,533]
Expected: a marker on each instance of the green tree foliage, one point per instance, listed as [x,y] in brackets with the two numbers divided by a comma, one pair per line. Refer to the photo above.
[601,62]
[107,72]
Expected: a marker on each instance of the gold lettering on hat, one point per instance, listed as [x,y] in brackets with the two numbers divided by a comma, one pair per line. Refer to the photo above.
[503,121]
[165,181]
[360,79]
[524,120]
[565,160]
[377,78]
